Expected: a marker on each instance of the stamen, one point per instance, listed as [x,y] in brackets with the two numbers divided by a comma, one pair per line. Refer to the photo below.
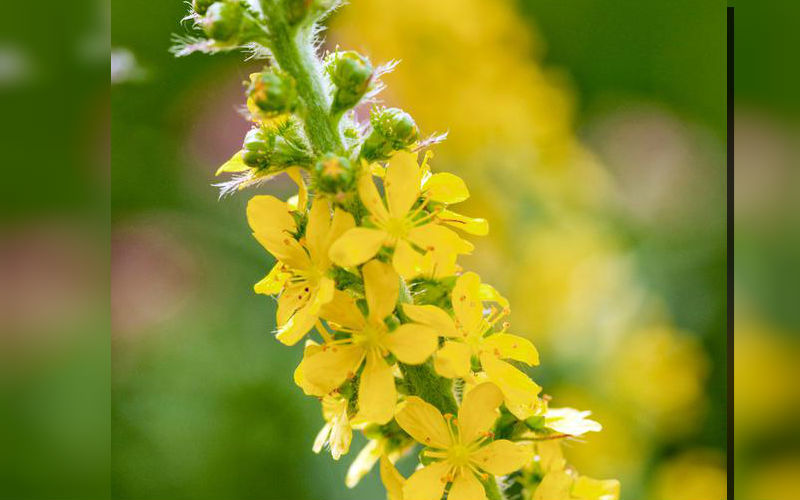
[326,336]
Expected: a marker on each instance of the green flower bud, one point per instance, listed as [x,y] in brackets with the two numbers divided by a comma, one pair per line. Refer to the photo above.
[274,92]
[392,130]
[334,174]
[201,6]
[351,73]
[256,148]
[298,11]
[274,149]
[223,20]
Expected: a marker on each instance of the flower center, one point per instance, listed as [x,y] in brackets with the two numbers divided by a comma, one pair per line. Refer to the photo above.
[371,336]
[458,455]
[396,227]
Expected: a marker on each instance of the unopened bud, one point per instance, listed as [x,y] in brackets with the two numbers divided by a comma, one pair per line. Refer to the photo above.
[334,174]
[274,149]
[392,130]
[351,74]
[274,92]
[306,11]
[256,148]
[223,20]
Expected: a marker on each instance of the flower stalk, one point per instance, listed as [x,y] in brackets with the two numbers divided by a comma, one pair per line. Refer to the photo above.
[400,342]
[293,49]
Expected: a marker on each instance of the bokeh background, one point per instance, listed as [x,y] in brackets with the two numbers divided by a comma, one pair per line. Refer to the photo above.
[592,136]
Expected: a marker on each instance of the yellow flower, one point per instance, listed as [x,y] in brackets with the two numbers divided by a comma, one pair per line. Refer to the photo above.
[562,485]
[467,334]
[462,449]
[337,432]
[396,224]
[559,483]
[302,269]
[367,341]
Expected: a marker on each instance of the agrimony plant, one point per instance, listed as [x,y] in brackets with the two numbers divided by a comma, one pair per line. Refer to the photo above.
[400,342]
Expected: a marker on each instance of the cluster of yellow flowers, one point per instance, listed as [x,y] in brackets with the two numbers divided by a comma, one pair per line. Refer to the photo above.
[380,332]
[408,347]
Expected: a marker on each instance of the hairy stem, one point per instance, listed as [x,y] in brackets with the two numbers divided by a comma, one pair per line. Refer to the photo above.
[294,51]
[425,383]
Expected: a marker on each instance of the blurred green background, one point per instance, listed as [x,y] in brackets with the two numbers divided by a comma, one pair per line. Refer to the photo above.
[592,137]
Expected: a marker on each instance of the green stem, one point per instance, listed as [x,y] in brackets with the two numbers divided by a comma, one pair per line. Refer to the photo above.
[294,51]
[425,383]
[491,488]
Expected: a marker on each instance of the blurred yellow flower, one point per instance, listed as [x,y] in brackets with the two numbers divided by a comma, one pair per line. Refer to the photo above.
[560,483]
[763,353]
[773,479]
[694,475]
[462,449]
[661,372]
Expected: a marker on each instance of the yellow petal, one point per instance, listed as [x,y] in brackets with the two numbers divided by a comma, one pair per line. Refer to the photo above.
[423,422]
[330,367]
[434,317]
[507,346]
[586,488]
[285,248]
[412,343]
[402,182]
[356,246]
[554,486]
[234,165]
[342,221]
[381,287]
[298,325]
[377,395]
[407,261]
[391,479]
[299,373]
[370,197]
[446,188]
[476,226]
[363,463]
[293,298]
[342,311]
[269,214]
[273,282]
[489,294]
[436,238]
[324,293]
[319,221]
[478,411]
[295,173]
[502,457]
[466,487]
[426,483]
[467,303]
[551,456]
[453,359]
[519,391]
